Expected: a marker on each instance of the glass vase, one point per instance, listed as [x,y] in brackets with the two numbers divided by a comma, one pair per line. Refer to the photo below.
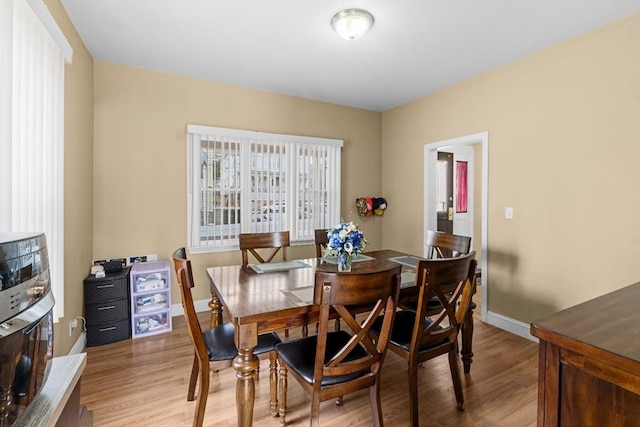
[344,262]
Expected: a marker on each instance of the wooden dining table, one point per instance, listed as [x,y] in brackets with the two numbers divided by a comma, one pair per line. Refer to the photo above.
[269,297]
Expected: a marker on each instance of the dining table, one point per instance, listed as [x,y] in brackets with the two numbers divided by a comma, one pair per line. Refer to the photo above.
[261,298]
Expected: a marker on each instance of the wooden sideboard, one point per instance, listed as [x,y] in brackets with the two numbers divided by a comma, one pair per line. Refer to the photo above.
[589,362]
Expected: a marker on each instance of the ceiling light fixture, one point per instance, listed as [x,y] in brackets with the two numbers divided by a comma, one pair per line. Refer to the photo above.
[351,24]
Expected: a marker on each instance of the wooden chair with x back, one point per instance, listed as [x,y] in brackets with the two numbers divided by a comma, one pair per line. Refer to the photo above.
[417,338]
[445,245]
[214,348]
[331,364]
[321,241]
[440,245]
[263,246]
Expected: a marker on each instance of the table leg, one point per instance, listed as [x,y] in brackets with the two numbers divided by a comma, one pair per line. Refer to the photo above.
[216,311]
[467,331]
[245,364]
[467,339]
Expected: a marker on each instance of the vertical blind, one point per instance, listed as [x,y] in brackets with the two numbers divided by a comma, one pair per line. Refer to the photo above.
[31,141]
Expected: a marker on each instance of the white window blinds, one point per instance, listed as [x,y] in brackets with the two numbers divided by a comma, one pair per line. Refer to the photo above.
[31,139]
[243,181]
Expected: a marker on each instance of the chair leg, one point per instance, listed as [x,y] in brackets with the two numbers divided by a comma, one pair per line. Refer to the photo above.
[455,376]
[286,333]
[273,383]
[315,411]
[282,400]
[305,331]
[337,325]
[376,408]
[413,394]
[194,378]
[203,394]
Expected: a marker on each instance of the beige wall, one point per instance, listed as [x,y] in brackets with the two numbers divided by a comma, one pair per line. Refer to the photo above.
[78,178]
[140,156]
[564,152]
[564,129]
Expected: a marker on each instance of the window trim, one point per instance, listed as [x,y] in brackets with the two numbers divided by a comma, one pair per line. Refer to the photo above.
[194,241]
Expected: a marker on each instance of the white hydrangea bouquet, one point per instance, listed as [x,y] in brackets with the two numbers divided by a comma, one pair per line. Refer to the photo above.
[346,241]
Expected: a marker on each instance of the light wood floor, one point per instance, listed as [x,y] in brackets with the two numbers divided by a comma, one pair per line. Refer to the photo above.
[143,382]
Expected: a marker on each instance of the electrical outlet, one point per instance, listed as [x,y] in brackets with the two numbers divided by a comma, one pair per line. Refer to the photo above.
[72,325]
[508,213]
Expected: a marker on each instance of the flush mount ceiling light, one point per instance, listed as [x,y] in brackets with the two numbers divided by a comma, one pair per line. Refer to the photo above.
[351,24]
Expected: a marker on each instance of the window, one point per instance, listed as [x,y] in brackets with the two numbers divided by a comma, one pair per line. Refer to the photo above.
[250,182]
[32,54]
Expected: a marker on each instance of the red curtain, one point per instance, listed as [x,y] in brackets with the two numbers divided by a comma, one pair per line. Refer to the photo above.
[461,190]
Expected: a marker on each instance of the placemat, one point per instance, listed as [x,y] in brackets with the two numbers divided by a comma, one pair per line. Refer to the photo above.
[269,267]
[408,260]
[303,296]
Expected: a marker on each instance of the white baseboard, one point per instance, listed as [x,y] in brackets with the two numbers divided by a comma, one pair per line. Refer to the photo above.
[80,344]
[510,325]
[200,305]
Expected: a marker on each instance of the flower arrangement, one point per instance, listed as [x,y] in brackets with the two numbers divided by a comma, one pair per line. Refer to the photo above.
[346,241]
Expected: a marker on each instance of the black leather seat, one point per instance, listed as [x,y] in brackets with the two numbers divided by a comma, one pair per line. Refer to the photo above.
[220,345]
[299,356]
[403,330]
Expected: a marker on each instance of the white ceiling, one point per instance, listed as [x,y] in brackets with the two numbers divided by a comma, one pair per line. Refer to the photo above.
[288,46]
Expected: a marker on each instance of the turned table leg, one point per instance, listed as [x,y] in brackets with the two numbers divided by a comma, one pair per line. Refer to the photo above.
[467,339]
[245,364]
[216,311]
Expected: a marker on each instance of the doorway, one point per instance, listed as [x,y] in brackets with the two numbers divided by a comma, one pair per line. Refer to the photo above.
[444,207]
[478,142]
[456,196]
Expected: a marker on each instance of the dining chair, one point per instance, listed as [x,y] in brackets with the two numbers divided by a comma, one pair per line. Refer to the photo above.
[440,245]
[214,348]
[331,364]
[445,245]
[252,243]
[418,338]
[321,241]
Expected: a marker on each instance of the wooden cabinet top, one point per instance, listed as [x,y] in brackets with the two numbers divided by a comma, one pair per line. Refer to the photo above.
[608,326]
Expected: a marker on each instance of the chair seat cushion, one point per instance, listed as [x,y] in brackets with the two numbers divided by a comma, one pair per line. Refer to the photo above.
[432,304]
[403,329]
[220,345]
[300,356]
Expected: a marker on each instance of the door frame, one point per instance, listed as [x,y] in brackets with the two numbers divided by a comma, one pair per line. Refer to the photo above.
[430,183]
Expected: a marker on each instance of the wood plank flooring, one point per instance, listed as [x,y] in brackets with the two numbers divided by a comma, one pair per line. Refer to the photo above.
[143,382]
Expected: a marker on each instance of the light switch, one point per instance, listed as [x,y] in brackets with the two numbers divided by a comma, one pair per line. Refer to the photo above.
[508,212]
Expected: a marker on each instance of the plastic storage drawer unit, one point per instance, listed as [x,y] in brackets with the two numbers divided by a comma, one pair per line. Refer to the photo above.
[106,308]
[150,298]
